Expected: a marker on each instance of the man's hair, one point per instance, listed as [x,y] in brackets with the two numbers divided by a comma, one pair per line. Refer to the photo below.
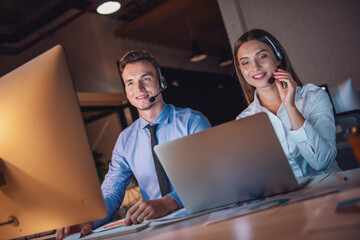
[136,56]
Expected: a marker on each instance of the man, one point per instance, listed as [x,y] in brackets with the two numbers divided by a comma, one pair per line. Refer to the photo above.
[133,154]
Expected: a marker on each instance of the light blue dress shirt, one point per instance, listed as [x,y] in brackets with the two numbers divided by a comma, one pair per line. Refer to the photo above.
[311,149]
[132,155]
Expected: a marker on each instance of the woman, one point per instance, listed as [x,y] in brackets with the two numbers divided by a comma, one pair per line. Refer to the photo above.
[301,115]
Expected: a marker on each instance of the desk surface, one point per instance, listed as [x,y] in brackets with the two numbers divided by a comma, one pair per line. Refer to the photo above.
[283,222]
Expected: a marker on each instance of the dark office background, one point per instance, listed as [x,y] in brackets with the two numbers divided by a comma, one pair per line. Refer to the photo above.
[217,96]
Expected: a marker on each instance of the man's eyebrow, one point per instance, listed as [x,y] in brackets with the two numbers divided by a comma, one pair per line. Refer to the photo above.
[128,80]
[144,75]
[147,74]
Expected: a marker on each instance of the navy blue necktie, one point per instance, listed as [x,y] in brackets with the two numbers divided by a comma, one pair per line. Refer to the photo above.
[163,182]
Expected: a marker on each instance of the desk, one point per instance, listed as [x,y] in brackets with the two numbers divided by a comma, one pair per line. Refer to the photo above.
[283,222]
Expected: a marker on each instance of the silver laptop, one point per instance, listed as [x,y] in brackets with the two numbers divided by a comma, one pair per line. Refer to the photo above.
[233,162]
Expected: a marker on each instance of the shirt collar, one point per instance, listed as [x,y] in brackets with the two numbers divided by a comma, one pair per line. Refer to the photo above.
[256,100]
[163,118]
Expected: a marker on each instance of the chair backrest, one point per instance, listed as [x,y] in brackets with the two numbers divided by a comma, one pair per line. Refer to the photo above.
[345,155]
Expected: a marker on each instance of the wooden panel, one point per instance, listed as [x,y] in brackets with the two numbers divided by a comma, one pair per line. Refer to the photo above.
[90,99]
[167,25]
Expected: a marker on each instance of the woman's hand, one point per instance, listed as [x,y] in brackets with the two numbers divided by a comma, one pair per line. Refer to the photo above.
[287,95]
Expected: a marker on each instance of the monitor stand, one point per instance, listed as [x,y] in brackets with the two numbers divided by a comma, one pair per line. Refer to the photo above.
[7,203]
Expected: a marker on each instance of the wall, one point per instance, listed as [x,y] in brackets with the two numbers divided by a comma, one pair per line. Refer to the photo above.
[321,37]
[92,52]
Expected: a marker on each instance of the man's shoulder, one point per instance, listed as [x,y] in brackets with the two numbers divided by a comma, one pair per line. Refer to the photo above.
[188,119]
[178,111]
[130,129]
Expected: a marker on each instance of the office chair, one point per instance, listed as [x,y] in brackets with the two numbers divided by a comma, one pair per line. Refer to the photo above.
[345,154]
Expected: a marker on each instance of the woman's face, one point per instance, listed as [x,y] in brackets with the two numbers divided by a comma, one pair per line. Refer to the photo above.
[257,63]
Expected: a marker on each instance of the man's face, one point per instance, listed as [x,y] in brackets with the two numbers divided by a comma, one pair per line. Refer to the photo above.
[141,84]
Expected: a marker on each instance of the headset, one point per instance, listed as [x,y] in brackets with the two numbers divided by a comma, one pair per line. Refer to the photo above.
[278,53]
[163,86]
[280,56]
[162,82]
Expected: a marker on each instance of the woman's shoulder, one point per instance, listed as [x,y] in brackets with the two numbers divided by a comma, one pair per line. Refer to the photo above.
[250,110]
[313,95]
[310,89]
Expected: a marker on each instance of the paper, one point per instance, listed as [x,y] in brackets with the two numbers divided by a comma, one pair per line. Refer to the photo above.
[114,224]
[101,233]
[266,203]
[117,228]
[336,211]
[182,214]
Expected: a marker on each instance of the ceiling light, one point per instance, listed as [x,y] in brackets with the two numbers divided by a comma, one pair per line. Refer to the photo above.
[225,59]
[108,7]
[175,83]
[197,55]
[224,63]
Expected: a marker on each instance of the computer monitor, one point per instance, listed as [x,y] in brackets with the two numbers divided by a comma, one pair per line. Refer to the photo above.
[344,96]
[47,172]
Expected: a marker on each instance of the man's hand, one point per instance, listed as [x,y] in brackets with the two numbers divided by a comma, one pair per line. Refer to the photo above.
[84,229]
[149,209]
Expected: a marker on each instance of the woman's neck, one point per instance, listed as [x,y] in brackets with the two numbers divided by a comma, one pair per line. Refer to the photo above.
[270,99]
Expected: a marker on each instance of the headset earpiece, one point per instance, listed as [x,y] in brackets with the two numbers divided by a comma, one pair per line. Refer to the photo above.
[278,53]
[162,82]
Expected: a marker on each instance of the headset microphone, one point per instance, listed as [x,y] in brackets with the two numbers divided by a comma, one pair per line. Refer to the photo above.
[152,99]
[271,80]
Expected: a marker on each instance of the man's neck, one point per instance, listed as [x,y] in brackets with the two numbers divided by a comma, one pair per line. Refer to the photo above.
[151,114]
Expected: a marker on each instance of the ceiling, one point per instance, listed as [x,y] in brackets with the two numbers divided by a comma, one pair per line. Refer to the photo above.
[171,23]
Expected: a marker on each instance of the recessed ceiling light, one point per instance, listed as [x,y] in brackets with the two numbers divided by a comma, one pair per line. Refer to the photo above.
[108,7]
